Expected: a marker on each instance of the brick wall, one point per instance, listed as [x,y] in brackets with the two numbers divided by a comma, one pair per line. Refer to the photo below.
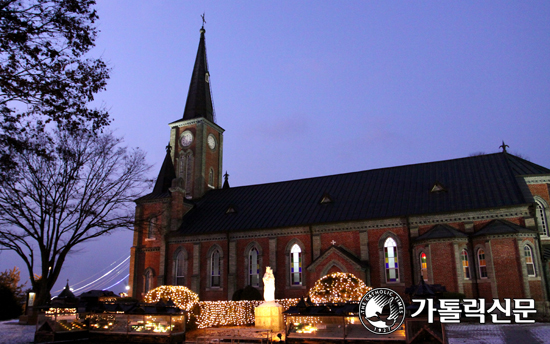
[507,268]
[443,265]
[540,190]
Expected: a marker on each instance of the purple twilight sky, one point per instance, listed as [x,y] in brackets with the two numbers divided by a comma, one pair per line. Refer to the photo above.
[309,88]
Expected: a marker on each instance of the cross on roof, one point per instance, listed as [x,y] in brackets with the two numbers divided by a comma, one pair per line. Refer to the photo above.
[333,242]
[503,146]
[203,20]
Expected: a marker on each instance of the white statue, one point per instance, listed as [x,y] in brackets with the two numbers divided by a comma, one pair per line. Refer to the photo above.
[269,285]
[269,314]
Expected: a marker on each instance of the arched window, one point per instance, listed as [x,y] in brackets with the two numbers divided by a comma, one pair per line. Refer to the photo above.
[215,268]
[465,264]
[482,263]
[182,166]
[180,265]
[391,260]
[295,265]
[424,266]
[529,264]
[147,280]
[211,178]
[152,227]
[186,171]
[253,268]
[541,218]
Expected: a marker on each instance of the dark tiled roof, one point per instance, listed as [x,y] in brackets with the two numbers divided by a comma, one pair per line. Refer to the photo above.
[152,196]
[66,294]
[441,232]
[477,182]
[167,173]
[502,227]
[523,167]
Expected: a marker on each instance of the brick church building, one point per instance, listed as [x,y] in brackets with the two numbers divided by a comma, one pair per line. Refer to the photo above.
[477,225]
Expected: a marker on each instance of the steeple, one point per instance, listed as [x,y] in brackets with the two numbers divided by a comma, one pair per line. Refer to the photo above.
[199,99]
[166,174]
[197,141]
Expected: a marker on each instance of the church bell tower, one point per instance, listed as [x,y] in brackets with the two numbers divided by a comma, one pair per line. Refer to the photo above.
[196,140]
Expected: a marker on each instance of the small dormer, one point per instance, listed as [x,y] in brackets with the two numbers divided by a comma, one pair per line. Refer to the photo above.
[438,187]
[231,209]
[326,199]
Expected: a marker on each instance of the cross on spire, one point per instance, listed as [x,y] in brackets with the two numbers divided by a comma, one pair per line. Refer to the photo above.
[203,20]
[503,146]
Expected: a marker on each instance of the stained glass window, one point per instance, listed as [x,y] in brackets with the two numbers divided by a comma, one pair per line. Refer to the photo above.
[254,268]
[465,264]
[295,265]
[482,263]
[391,260]
[529,261]
[424,266]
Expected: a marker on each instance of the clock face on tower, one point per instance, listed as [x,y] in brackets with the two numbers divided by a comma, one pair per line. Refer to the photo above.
[211,141]
[186,138]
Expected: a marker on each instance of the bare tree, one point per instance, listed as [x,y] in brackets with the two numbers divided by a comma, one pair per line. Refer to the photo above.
[81,188]
[46,69]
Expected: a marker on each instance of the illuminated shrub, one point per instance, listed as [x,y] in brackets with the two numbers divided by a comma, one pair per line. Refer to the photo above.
[181,296]
[338,287]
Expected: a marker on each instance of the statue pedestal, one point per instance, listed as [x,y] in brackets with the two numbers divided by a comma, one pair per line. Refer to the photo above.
[269,315]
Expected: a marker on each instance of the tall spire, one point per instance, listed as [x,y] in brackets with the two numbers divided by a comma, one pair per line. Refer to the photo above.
[166,175]
[199,99]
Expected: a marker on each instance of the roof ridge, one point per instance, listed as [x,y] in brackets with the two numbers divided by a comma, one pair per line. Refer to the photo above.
[362,171]
[542,169]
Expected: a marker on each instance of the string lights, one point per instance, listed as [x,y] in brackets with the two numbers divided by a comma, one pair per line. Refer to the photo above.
[338,287]
[236,313]
[334,288]
[182,297]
